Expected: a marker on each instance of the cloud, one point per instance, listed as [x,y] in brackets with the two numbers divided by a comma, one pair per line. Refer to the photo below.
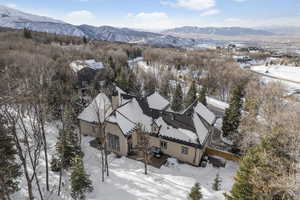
[80,17]
[11,5]
[152,20]
[210,12]
[191,4]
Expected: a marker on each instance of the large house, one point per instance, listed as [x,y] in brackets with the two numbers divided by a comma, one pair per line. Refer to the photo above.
[182,135]
[86,71]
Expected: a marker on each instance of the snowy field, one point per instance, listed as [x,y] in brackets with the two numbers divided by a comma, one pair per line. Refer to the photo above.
[128,182]
[279,71]
[217,103]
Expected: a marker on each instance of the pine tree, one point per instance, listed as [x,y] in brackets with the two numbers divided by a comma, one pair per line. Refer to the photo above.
[243,188]
[9,168]
[217,183]
[232,116]
[67,145]
[80,182]
[27,33]
[191,95]
[164,88]
[202,96]
[177,100]
[195,193]
[122,80]
[85,41]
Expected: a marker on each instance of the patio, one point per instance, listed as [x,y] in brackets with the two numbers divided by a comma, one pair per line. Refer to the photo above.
[153,161]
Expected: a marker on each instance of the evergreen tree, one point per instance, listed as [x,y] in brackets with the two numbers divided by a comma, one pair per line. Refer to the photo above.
[202,96]
[243,188]
[133,83]
[27,33]
[85,41]
[217,183]
[164,88]
[195,193]
[177,99]
[9,168]
[232,116]
[122,80]
[191,95]
[80,182]
[67,145]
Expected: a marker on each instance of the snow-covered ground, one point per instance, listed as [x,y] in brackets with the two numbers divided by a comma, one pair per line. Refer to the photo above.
[279,71]
[291,75]
[217,103]
[127,180]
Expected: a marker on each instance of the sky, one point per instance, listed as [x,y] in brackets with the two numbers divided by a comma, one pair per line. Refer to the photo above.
[165,14]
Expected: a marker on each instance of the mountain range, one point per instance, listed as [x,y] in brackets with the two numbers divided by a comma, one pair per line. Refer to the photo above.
[13,18]
[223,31]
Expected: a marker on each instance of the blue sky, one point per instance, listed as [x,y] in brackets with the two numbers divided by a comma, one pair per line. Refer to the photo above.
[162,14]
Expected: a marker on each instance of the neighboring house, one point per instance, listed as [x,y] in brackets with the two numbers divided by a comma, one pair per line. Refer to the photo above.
[86,71]
[182,135]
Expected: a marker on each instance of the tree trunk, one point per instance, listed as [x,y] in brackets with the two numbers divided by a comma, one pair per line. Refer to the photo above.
[146,162]
[102,163]
[105,151]
[23,161]
[59,183]
[45,153]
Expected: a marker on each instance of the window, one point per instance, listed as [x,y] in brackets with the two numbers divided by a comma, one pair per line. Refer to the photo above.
[184,150]
[113,142]
[163,145]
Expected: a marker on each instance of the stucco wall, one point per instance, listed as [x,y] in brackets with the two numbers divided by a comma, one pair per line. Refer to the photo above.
[174,150]
[115,130]
[89,129]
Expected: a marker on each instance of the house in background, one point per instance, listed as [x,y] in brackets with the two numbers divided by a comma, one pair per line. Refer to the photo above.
[182,135]
[86,71]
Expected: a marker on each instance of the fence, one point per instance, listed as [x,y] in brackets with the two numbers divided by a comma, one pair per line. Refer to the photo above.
[223,154]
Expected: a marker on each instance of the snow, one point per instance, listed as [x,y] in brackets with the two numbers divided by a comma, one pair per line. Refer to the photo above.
[99,109]
[179,134]
[279,71]
[16,15]
[80,64]
[205,113]
[217,103]
[201,130]
[173,182]
[287,73]
[127,180]
[134,61]
[156,101]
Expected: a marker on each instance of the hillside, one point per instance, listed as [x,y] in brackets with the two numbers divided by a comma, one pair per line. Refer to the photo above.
[223,31]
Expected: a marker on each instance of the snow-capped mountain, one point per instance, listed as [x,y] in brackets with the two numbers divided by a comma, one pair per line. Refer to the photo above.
[224,31]
[16,19]
[115,34]
[171,41]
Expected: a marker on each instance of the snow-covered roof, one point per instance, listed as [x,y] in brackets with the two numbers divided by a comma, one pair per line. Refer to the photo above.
[99,109]
[156,101]
[80,64]
[130,115]
[179,134]
[201,130]
[206,114]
